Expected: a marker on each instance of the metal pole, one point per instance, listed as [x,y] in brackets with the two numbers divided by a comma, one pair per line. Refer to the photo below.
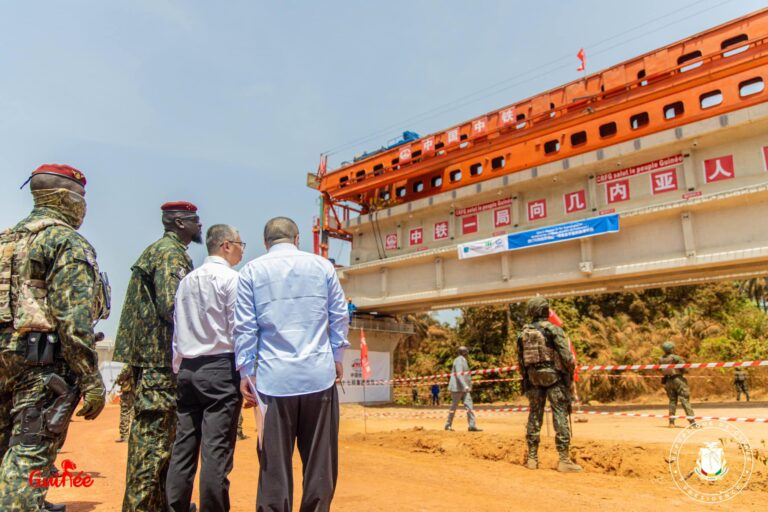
[365,413]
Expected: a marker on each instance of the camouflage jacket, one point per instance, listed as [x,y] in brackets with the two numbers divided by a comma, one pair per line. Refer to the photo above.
[145,331]
[125,379]
[669,373]
[61,258]
[740,374]
[554,334]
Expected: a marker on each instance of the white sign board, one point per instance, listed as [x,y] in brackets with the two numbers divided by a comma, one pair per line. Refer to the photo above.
[109,372]
[353,378]
[483,247]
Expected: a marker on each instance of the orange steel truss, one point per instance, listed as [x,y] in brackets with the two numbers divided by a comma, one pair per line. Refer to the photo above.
[714,72]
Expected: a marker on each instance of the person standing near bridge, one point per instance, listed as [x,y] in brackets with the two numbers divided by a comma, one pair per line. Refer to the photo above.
[740,377]
[125,381]
[208,400]
[52,295]
[351,308]
[435,389]
[291,328]
[546,366]
[675,384]
[460,387]
[143,341]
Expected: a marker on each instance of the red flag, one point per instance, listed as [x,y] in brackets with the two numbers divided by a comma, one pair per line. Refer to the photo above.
[575,360]
[554,319]
[323,166]
[583,58]
[364,356]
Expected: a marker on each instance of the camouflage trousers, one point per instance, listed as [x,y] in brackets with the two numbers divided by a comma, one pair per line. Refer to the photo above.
[152,434]
[558,400]
[677,390]
[26,386]
[126,413]
[6,400]
[741,387]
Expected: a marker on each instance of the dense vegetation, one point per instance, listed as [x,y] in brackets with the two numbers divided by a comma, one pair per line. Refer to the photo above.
[722,321]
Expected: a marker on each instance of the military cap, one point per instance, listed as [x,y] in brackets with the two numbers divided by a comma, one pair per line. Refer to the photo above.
[668,346]
[61,170]
[178,206]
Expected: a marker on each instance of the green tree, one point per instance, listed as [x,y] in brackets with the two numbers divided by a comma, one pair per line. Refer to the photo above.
[756,289]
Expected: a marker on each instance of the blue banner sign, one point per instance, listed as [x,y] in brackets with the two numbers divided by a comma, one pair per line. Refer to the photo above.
[562,232]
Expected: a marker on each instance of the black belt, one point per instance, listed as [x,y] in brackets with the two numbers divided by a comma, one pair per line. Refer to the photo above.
[196,362]
[212,357]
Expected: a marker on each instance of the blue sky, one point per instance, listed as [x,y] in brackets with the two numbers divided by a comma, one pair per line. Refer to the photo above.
[229,104]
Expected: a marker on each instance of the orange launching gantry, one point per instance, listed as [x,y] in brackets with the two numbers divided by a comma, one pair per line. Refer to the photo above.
[711,73]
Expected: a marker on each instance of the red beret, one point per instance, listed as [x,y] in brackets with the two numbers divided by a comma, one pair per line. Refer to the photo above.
[65,171]
[178,206]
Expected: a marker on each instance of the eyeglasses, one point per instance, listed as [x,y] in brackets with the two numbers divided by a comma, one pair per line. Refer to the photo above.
[242,244]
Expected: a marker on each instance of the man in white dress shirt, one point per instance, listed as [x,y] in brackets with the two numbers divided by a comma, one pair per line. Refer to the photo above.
[291,326]
[208,402]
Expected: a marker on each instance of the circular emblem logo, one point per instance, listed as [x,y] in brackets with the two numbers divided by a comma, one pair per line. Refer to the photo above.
[711,461]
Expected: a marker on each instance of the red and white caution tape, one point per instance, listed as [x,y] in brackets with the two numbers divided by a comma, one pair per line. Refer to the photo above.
[427,383]
[730,364]
[501,369]
[651,415]
[584,368]
[504,410]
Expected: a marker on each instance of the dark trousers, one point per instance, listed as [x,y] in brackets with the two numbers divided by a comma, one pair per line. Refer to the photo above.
[208,405]
[312,422]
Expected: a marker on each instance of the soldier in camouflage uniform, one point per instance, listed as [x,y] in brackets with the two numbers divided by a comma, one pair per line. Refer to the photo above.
[51,295]
[546,366]
[675,384]
[240,434]
[124,380]
[740,377]
[143,342]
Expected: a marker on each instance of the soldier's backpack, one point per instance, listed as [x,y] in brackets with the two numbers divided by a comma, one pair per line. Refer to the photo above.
[536,350]
[23,300]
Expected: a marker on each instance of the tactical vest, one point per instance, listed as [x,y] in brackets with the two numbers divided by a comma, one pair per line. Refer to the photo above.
[23,300]
[670,372]
[538,350]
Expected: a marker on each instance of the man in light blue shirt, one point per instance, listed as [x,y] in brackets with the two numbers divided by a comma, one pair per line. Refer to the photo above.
[290,333]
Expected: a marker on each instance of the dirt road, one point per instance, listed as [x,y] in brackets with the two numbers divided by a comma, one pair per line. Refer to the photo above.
[411,464]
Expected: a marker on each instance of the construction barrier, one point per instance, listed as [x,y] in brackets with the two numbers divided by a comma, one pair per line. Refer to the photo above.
[584,368]
[359,382]
[505,410]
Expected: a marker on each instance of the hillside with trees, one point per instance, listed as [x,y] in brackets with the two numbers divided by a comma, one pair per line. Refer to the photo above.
[724,321]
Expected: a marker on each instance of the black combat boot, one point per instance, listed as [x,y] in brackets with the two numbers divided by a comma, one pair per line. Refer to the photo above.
[54,507]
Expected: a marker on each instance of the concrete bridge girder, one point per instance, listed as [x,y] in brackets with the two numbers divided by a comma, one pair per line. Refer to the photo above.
[699,232]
